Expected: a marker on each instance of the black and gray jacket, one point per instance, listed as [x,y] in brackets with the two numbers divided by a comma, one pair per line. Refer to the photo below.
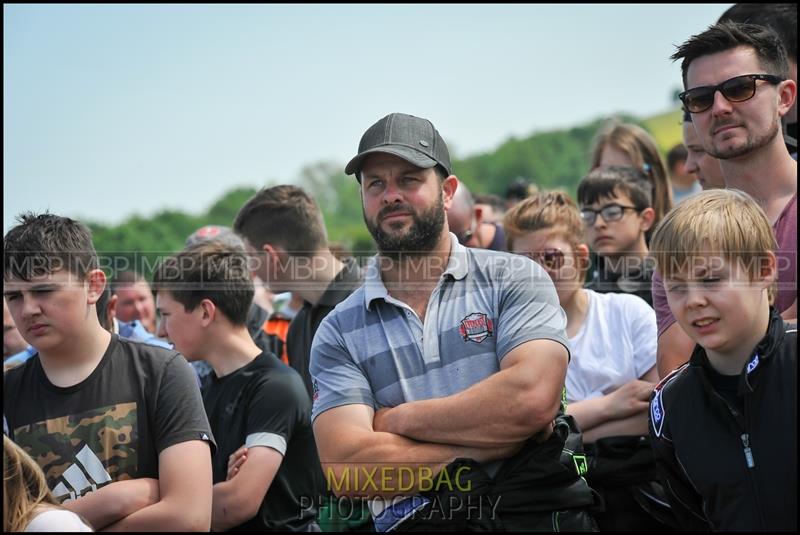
[729,463]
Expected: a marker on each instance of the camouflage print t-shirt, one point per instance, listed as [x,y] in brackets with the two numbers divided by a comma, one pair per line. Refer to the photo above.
[139,400]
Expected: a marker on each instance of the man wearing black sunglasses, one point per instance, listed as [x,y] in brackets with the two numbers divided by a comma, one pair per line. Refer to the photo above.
[782,18]
[737,90]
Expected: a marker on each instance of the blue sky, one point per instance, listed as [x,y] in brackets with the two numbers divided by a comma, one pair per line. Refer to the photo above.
[121,109]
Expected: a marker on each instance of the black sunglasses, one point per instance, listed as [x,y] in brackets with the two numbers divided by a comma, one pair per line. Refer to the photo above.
[736,89]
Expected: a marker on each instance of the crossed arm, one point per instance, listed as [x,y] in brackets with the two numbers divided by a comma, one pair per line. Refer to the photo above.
[179,500]
[486,422]
[622,412]
[238,499]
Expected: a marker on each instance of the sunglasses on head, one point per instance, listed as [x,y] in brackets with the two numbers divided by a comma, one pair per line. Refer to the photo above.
[549,258]
[736,89]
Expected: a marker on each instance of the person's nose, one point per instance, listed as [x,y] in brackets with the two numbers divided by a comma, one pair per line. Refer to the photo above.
[721,105]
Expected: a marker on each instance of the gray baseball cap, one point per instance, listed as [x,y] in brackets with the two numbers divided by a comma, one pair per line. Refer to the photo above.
[413,139]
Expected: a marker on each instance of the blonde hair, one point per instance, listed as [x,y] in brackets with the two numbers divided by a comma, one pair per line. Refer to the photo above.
[642,150]
[25,488]
[548,210]
[724,222]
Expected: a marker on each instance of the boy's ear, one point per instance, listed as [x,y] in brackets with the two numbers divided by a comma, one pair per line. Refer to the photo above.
[209,310]
[768,267]
[648,216]
[274,255]
[96,281]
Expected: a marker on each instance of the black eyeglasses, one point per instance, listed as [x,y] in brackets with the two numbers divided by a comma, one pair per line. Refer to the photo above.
[736,89]
[610,212]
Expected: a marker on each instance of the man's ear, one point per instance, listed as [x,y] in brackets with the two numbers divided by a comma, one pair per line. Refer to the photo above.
[478,211]
[787,93]
[112,306]
[449,187]
[96,283]
[648,217]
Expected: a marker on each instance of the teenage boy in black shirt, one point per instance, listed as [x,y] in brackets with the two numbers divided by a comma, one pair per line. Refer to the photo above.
[203,294]
[117,424]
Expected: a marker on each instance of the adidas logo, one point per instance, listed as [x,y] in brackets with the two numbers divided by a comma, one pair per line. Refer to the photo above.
[84,475]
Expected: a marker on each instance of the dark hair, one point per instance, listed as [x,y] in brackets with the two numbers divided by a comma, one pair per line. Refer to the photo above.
[208,270]
[642,150]
[727,35]
[781,18]
[285,216]
[613,180]
[520,189]
[46,243]
[676,154]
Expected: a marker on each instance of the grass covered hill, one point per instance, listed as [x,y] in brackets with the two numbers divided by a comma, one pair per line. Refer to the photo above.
[553,160]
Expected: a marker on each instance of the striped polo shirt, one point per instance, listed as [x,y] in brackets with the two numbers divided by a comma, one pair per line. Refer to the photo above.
[372,349]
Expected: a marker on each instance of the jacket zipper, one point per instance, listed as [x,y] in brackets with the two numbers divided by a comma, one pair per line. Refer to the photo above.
[748,455]
[747,450]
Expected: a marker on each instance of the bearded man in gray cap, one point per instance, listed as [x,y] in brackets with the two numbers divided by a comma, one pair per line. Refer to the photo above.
[437,384]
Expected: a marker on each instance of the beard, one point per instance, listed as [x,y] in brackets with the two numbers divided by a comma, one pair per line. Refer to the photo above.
[418,240]
[752,142]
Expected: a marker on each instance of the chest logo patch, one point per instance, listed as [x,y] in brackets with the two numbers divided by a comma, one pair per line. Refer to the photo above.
[476,327]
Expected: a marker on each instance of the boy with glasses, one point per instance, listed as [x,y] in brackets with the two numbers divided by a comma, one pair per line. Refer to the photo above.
[724,426]
[617,211]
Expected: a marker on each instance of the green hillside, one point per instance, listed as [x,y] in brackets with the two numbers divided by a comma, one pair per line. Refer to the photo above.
[555,159]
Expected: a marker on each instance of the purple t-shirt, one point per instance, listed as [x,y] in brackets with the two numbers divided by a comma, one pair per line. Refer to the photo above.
[785,231]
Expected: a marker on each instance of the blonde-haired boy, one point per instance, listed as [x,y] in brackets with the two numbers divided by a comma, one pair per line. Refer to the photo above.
[724,425]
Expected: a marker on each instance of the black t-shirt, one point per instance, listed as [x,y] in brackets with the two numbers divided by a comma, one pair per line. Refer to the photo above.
[139,400]
[264,404]
[305,324]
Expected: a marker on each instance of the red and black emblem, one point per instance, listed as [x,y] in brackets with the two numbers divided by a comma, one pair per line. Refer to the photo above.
[476,327]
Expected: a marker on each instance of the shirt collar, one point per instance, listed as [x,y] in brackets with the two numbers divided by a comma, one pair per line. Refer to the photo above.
[457,267]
